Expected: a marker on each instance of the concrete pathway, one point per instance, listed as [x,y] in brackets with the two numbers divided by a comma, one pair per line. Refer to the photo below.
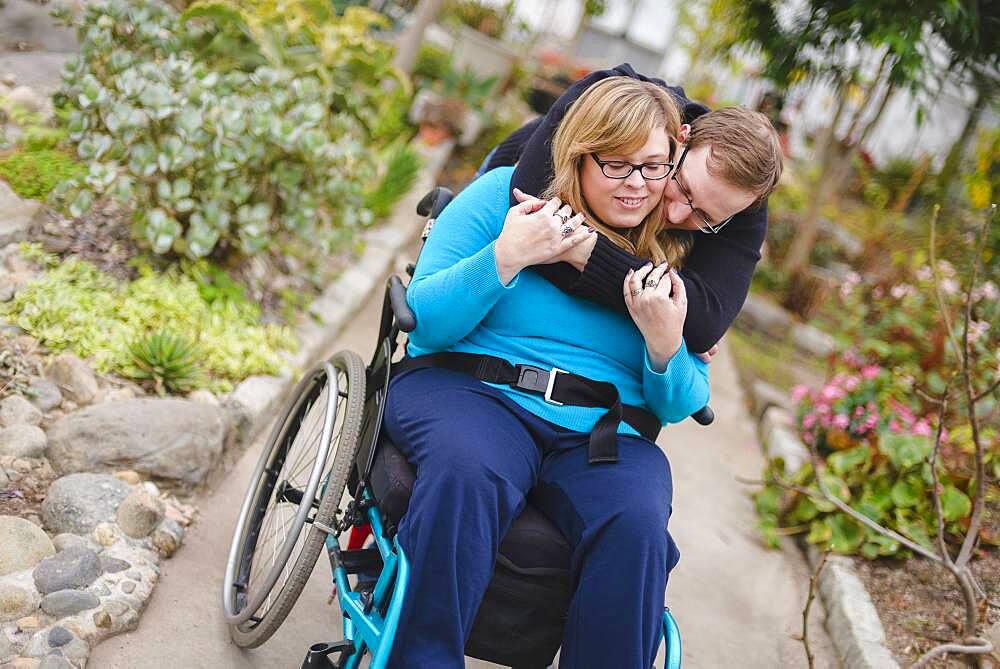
[737,604]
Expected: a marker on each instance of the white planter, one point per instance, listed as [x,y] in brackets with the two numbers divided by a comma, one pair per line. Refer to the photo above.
[485,56]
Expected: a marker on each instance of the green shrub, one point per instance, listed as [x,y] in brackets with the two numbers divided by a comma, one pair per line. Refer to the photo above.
[402,167]
[167,359]
[33,173]
[433,63]
[230,157]
[73,306]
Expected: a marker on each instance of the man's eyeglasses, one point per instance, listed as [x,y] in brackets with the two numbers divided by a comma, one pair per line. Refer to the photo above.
[619,169]
[701,218]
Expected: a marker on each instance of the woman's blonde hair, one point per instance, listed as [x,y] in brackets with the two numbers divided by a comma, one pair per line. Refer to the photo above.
[617,116]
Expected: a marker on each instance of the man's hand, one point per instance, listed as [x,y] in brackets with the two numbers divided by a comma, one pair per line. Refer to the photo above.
[534,233]
[707,356]
[578,254]
[657,301]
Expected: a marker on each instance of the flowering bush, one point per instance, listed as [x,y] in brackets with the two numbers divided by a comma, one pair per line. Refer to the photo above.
[875,420]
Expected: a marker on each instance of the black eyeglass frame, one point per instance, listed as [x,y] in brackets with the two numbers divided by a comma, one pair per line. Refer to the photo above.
[632,168]
[711,228]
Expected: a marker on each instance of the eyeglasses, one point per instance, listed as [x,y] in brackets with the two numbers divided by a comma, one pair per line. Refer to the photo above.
[705,219]
[619,169]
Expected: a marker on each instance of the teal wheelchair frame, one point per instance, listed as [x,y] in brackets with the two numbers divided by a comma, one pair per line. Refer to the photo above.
[296,507]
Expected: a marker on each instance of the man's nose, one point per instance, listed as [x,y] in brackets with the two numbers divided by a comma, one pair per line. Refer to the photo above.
[677,212]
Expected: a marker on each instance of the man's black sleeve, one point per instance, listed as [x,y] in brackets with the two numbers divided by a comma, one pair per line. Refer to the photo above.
[716,273]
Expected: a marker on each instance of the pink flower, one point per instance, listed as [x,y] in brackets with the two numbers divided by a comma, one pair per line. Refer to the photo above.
[859,411]
[925,273]
[901,290]
[870,423]
[877,293]
[808,421]
[798,392]
[841,421]
[895,426]
[831,393]
[977,329]
[851,383]
[922,428]
[869,372]
[949,286]
[808,437]
[823,409]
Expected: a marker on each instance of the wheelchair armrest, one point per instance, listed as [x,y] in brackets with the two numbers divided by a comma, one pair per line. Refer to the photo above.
[405,318]
[704,415]
[430,205]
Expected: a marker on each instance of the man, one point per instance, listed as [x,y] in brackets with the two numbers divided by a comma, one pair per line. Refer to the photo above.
[729,162]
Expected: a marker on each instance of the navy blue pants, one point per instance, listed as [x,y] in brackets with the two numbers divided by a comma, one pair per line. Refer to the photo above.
[476,455]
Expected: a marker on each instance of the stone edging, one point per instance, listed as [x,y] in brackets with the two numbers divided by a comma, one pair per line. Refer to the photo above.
[851,618]
[254,401]
[762,315]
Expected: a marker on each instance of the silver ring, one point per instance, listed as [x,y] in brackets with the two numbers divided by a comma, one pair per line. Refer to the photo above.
[563,217]
[651,284]
[566,229]
[636,291]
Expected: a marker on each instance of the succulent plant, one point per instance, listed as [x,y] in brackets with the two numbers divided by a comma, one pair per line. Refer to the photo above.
[167,359]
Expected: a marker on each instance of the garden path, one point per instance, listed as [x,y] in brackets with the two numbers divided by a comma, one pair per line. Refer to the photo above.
[737,603]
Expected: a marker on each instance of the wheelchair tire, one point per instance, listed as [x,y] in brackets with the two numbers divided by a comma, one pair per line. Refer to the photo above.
[258,597]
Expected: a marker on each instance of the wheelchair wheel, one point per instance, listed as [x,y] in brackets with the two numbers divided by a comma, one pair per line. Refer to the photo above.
[303,469]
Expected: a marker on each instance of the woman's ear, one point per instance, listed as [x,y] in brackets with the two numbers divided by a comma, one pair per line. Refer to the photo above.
[684,133]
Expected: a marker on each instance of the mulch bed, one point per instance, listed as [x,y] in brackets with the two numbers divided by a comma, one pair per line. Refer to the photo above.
[920,604]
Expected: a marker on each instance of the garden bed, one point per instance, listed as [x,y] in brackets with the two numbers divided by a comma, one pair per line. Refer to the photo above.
[920,606]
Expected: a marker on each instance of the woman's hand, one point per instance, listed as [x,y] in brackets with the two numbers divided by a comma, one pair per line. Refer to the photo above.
[657,301]
[576,255]
[536,232]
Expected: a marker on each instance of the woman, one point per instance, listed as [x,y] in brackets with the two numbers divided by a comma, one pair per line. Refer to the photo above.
[478,445]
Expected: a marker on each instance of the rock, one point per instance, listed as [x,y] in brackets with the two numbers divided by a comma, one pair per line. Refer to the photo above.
[140,513]
[761,314]
[78,502]
[112,565]
[170,438]
[26,98]
[22,545]
[813,341]
[26,663]
[7,649]
[134,575]
[167,537]
[54,661]
[65,540]
[62,603]
[74,378]
[116,608]
[17,215]
[204,397]
[16,602]
[254,399]
[23,441]
[129,476]
[128,587]
[102,619]
[119,395]
[28,623]
[71,569]
[15,410]
[47,394]
[107,534]
[764,395]
[100,590]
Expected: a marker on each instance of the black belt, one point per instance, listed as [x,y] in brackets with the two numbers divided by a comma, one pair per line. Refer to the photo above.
[558,387]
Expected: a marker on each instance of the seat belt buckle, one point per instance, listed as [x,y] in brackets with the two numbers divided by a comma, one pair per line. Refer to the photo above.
[555,371]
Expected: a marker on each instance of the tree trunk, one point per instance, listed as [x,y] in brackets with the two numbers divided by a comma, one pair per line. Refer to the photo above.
[950,169]
[408,45]
[836,169]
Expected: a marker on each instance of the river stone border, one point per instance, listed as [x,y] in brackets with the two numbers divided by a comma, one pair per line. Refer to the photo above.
[255,400]
[851,617]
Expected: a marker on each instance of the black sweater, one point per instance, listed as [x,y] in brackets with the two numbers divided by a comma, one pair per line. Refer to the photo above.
[716,273]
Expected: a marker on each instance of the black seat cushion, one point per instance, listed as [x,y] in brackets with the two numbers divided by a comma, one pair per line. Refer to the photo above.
[521,618]
[533,545]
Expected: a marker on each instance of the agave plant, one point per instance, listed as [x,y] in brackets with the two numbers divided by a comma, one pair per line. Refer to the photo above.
[167,359]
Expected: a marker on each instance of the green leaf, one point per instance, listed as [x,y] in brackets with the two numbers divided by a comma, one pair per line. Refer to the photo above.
[905,450]
[842,462]
[908,492]
[846,534]
[819,532]
[955,504]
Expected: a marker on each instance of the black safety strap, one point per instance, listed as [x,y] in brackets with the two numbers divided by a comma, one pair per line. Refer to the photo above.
[557,387]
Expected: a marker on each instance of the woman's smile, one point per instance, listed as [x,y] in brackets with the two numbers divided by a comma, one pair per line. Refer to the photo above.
[631,203]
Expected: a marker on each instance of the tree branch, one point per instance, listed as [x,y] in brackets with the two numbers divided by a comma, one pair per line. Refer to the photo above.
[973,646]
[813,582]
[937,284]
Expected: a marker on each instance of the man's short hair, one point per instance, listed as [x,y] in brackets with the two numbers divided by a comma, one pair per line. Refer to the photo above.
[743,149]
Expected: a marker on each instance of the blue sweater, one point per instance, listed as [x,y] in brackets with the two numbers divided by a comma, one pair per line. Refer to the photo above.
[461,305]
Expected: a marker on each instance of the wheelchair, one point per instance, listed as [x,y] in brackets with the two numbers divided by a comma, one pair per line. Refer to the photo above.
[328,479]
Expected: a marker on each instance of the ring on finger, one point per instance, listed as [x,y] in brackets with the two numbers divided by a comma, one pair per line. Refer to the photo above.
[563,217]
[652,283]
[566,229]
[636,291]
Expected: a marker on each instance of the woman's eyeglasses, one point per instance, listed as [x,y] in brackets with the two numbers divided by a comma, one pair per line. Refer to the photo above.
[619,169]
[701,218]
